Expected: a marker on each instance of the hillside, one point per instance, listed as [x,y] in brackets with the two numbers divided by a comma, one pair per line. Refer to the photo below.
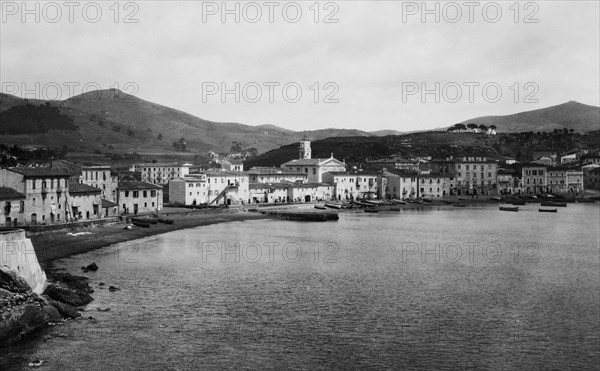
[570,115]
[438,144]
[113,121]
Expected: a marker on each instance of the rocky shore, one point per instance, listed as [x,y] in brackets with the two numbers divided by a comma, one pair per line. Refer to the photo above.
[22,311]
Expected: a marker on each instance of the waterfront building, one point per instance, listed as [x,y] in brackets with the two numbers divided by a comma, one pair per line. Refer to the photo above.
[269,193]
[160,173]
[434,185]
[575,183]
[353,185]
[85,201]
[46,193]
[139,198]
[509,182]
[472,175]
[591,176]
[398,184]
[534,178]
[556,179]
[314,168]
[275,175]
[13,207]
[190,190]
[591,159]
[103,178]
[227,187]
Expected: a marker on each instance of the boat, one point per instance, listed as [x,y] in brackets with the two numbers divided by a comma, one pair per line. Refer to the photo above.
[496,198]
[165,221]
[459,205]
[505,208]
[333,206]
[144,220]
[555,204]
[462,199]
[547,210]
[320,207]
[427,200]
[371,210]
[518,203]
[138,223]
[586,200]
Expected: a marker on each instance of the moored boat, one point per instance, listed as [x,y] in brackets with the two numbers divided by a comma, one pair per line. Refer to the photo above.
[371,210]
[553,203]
[547,210]
[506,208]
[320,207]
[333,206]
[518,203]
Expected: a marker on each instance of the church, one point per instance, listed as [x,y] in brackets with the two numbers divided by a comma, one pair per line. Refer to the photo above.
[314,168]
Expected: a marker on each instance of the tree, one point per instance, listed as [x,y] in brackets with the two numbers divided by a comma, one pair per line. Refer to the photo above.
[159,136]
[472,126]
[571,131]
[130,133]
[460,126]
[483,127]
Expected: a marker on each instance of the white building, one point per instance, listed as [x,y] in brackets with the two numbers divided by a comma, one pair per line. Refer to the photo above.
[160,173]
[101,177]
[139,198]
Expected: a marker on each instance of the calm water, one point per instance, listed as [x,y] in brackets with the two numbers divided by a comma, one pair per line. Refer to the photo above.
[418,289]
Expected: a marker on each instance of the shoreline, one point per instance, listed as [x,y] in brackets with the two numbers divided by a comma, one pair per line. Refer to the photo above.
[54,245]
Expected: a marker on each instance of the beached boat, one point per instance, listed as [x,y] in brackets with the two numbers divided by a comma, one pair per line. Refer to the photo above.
[320,207]
[462,199]
[459,205]
[547,210]
[427,200]
[165,221]
[140,224]
[586,200]
[555,204]
[371,210]
[496,198]
[505,208]
[518,203]
[333,206]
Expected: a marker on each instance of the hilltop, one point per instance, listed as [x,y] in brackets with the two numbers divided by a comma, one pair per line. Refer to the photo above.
[113,121]
[570,115]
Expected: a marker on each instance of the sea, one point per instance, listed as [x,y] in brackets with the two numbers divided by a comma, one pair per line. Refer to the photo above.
[434,288]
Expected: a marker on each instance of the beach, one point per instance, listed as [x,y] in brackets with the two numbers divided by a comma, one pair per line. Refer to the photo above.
[59,244]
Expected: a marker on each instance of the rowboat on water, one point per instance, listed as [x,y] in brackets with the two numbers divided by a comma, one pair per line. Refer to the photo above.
[504,208]
[555,204]
[547,210]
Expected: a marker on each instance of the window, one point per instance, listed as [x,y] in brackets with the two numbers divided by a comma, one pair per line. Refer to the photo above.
[145,204]
[152,193]
[136,194]
[126,193]
[145,194]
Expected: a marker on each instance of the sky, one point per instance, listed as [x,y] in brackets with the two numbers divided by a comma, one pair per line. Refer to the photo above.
[306,65]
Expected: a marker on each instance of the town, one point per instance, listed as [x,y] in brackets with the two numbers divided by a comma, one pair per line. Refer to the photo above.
[62,191]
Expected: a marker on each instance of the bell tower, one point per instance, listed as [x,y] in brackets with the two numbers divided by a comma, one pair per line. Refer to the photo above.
[304,148]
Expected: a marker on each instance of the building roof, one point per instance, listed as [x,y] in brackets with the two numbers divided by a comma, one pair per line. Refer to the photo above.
[40,172]
[223,172]
[311,162]
[356,173]
[10,194]
[75,188]
[128,186]
[107,203]
[162,164]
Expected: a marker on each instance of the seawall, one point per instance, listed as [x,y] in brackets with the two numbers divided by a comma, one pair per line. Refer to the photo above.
[16,252]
